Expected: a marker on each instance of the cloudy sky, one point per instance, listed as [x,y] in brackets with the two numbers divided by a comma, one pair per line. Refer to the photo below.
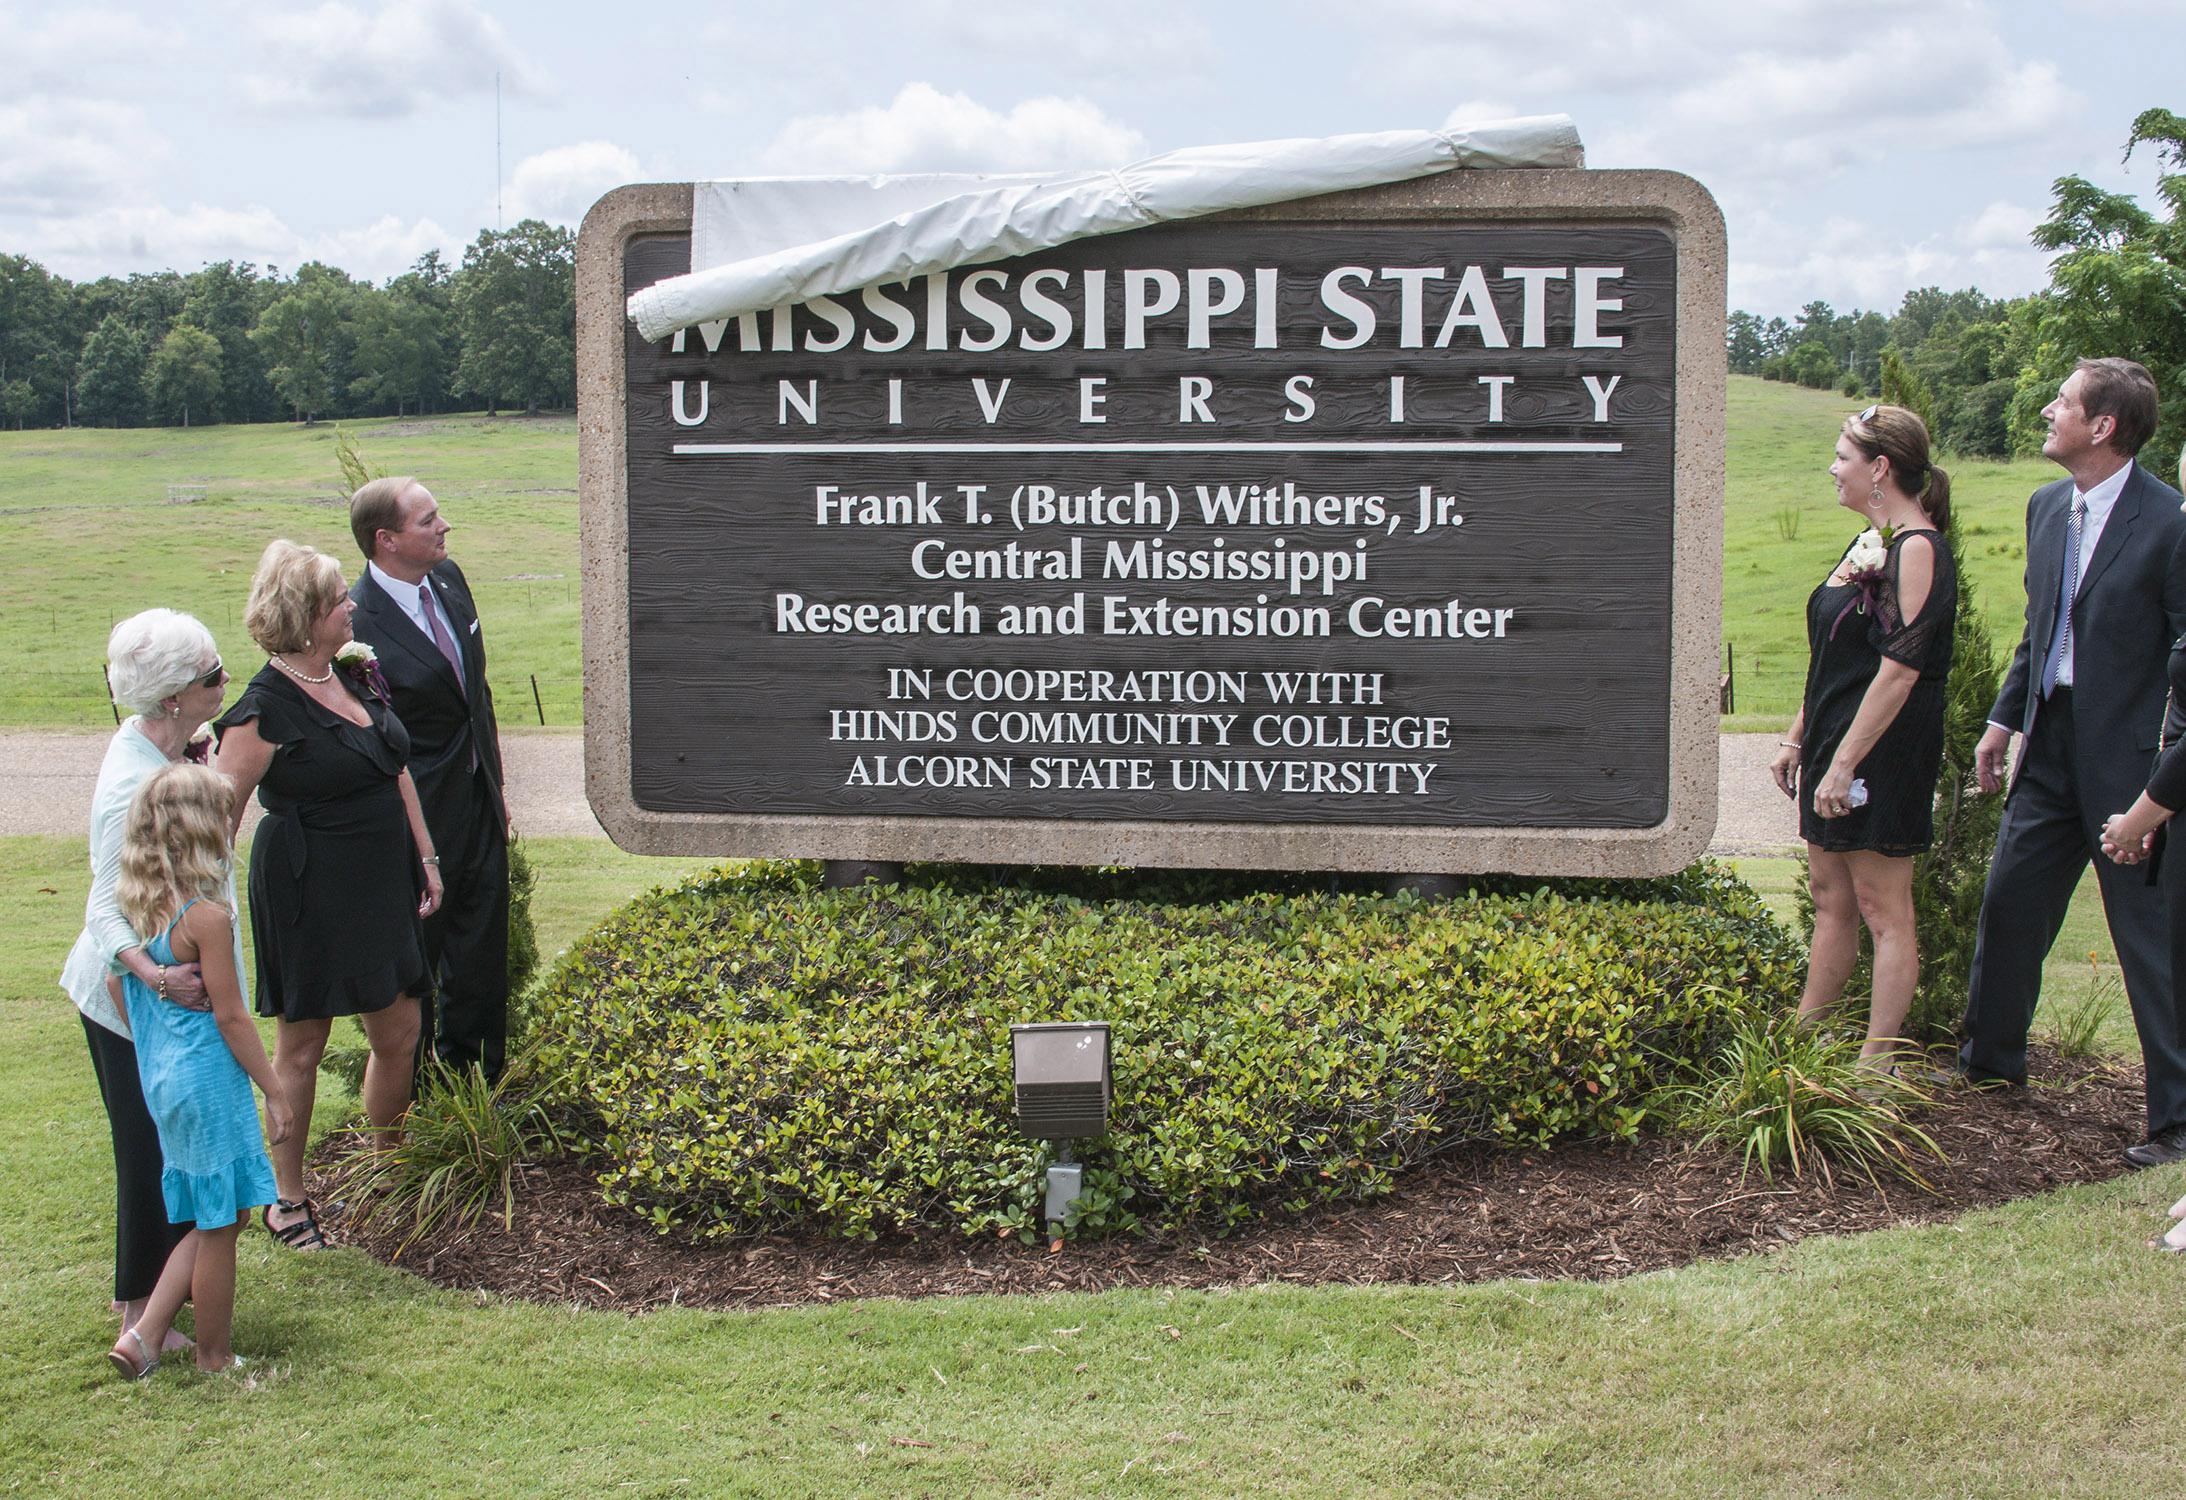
[1858,147]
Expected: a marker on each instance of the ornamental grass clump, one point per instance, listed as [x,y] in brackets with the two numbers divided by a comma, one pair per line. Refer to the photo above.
[1799,1098]
[462,1144]
[750,1053]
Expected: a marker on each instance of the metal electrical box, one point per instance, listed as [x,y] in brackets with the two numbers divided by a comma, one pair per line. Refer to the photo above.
[1062,1078]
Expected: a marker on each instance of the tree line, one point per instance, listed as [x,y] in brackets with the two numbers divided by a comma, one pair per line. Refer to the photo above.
[1981,369]
[235,342]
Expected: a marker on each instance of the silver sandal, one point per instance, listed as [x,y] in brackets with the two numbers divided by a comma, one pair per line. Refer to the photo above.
[142,1366]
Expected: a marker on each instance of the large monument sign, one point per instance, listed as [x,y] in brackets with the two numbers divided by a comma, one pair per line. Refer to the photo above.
[1376,531]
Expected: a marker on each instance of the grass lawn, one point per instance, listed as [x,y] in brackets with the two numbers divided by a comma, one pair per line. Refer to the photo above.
[72,503]
[2016,1352]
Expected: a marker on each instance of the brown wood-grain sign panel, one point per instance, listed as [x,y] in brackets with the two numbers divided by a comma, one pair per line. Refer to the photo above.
[1247,523]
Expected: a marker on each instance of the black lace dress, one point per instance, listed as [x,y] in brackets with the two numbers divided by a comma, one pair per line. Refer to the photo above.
[1848,635]
[334,879]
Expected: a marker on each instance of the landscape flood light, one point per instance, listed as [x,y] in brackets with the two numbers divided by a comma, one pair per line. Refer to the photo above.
[1062,1075]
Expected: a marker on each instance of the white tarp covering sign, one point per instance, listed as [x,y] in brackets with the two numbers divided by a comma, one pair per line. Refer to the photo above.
[795,239]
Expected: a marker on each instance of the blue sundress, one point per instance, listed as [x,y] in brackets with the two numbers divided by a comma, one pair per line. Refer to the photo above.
[201,1100]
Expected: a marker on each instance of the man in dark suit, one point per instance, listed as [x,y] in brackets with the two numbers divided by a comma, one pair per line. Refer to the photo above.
[414,609]
[2087,688]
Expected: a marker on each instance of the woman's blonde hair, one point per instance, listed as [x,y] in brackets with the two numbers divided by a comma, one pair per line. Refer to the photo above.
[174,846]
[293,587]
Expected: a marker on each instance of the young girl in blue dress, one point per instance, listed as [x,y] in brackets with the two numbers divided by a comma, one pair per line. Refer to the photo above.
[197,1067]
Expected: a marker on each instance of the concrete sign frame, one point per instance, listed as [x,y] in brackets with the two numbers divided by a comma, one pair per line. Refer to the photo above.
[1669,205]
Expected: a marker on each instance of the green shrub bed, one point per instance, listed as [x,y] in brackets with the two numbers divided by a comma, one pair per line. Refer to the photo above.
[749,1053]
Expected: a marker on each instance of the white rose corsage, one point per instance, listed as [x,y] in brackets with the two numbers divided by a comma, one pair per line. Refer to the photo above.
[1863,570]
[362,664]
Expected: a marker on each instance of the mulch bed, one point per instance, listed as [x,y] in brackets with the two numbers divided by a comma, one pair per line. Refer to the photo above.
[1586,1211]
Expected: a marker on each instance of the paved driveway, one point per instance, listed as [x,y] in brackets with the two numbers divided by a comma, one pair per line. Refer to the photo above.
[55,769]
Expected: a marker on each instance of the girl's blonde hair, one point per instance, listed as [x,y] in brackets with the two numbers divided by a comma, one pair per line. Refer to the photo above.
[174,846]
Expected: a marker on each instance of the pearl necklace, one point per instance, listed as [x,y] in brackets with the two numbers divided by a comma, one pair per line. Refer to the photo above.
[326,676]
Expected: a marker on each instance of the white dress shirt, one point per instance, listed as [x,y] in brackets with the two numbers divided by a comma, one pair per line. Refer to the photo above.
[414,599]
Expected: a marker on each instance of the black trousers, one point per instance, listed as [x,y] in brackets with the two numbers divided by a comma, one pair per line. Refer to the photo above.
[467,940]
[2049,836]
[143,1239]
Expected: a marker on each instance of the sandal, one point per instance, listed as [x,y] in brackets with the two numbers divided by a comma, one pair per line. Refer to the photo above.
[142,1366]
[302,1234]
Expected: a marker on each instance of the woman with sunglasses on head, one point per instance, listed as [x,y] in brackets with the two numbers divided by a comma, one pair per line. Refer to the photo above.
[165,669]
[1862,757]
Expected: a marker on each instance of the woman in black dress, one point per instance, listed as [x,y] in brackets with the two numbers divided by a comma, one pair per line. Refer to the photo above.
[2130,836]
[342,870]
[1863,755]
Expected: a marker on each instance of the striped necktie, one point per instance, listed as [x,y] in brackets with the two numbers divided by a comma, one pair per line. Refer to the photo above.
[2068,587]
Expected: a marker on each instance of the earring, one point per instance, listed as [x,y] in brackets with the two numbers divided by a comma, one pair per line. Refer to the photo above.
[174,710]
[1874,497]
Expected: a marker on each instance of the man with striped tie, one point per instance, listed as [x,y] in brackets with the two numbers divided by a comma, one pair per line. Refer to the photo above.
[2106,597]
[414,609]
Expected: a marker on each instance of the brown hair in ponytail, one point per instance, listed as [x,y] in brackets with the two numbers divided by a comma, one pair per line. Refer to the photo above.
[1899,435]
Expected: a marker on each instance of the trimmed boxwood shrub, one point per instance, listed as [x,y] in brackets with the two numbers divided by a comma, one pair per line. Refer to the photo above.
[749,1052]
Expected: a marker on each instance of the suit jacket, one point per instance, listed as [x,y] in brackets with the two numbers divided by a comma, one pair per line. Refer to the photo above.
[447,718]
[2130,608]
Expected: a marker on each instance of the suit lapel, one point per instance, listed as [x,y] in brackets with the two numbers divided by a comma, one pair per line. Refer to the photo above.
[2116,531]
[2047,541]
[401,631]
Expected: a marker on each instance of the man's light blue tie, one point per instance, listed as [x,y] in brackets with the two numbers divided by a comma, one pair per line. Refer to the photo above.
[2068,585]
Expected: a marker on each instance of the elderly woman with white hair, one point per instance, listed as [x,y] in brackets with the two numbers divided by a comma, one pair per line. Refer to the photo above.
[165,669]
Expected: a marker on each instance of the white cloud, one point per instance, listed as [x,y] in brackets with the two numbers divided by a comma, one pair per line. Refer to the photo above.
[924,130]
[2002,226]
[56,154]
[1852,262]
[385,62]
[1473,111]
[1737,91]
[561,184]
[63,50]
[1131,37]
[117,240]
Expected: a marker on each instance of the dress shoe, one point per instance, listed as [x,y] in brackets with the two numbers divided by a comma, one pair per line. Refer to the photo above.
[2159,1150]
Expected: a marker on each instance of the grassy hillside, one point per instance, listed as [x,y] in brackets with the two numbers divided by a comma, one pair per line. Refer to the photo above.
[98,524]
[1783,531]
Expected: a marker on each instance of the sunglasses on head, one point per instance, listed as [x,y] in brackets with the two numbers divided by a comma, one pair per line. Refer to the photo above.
[1867,416]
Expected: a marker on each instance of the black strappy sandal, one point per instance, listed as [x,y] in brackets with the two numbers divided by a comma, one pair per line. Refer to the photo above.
[302,1235]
